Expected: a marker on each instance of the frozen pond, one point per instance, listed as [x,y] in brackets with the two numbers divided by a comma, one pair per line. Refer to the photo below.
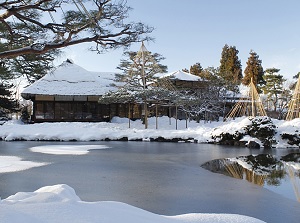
[164,178]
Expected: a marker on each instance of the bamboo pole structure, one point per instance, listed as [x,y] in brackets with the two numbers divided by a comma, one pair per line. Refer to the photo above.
[248,105]
[294,104]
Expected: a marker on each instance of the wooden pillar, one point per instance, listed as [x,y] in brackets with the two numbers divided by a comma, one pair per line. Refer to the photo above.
[186,120]
[110,113]
[146,115]
[156,121]
[129,116]
[34,111]
[170,115]
[176,116]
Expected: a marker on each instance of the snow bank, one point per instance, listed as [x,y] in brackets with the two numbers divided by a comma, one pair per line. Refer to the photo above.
[59,203]
[118,129]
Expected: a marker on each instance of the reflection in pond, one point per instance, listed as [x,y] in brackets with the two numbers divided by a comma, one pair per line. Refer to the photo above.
[262,169]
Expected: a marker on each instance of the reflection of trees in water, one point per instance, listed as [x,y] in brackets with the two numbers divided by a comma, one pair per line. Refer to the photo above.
[272,176]
[235,170]
[275,176]
[265,169]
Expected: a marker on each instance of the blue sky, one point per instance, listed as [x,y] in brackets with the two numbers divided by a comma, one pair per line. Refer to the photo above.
[191,31]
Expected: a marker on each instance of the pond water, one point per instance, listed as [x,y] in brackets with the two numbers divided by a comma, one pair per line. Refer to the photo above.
[164,178]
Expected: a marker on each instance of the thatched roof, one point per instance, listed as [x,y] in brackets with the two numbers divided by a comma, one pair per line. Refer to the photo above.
[71,79]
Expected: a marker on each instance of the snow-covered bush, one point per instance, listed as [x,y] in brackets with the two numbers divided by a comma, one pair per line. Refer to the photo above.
[263,129]
[3,117]
[292,139]
[226,138]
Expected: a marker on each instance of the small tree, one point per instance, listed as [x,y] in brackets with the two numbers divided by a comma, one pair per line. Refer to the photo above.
[139,68]
[274,86]
[140,82]
[196,69]
[209,104]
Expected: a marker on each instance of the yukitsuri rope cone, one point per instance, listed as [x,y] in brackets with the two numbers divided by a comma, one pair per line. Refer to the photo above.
[249,105]
[294,105]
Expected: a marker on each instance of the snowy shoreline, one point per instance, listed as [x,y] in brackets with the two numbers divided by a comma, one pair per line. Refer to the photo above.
[59,203]
[162,131]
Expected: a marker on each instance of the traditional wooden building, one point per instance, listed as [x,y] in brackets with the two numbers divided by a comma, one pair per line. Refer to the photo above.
[184,80]
[70,93]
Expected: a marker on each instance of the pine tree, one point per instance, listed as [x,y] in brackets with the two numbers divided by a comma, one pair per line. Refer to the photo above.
[30,27]
[33,67]
[230,67]
[196,69]
[7,101]
[274,85]
[293,85]
[254,70]
[133,65]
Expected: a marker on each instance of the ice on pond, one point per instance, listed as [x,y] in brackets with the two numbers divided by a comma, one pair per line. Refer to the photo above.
[14,163]
[66,149]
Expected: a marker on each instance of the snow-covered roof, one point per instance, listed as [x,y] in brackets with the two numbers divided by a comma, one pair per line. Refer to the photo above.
[181,75]
[71,79]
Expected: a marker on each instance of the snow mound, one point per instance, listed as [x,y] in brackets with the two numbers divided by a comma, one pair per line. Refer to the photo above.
[48,194]
[59,203]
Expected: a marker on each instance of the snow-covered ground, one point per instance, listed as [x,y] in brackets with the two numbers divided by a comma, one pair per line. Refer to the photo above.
[119,128]
[59,203]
